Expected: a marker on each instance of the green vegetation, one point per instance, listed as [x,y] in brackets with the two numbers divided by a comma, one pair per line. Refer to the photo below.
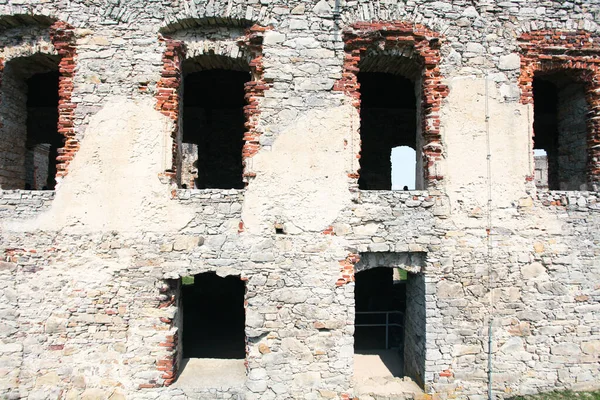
[187,280]
[562,395]
[403,274]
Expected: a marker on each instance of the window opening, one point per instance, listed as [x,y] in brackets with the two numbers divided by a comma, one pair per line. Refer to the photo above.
[388,113]
[560,131]
[213,340]
[540,159]
[389,338]
[404,168]
[213,122]
[43,139]
[29,109]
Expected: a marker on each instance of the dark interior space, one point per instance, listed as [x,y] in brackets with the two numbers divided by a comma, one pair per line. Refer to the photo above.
[560,129]
[388,114]
[213,118]
[213,317]
[375,291]
[42,121]
[545,126]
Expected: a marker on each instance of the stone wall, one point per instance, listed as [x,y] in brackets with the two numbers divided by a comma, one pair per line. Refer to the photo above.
[90,270]
[415,322]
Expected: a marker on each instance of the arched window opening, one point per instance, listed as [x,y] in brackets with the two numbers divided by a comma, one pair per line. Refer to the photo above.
[213,122]
[560,131]
[404,168]
[29,109]
[389,115]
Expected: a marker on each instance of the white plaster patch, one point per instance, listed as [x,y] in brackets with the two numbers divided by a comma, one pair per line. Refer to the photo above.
[303,180]
[113,180]
[465,135]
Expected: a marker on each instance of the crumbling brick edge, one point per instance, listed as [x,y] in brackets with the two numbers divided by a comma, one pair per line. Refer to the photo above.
[347,269]
[168,364]
[63,38]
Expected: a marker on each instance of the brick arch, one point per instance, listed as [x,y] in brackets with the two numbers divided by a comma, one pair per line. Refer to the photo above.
[62,38]
[576,53]
[424,45]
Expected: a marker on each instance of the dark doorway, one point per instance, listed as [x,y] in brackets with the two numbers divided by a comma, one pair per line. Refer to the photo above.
[560,132]
[388,119]
[213,317]
[379,299]
[213,120]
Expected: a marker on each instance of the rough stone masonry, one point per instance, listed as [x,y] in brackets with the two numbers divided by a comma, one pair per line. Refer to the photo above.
[91,290]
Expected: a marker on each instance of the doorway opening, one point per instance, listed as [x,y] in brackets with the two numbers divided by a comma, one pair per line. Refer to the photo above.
[213,331]
[380,303]
[389,336]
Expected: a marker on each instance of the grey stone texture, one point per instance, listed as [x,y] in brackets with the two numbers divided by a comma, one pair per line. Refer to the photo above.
[86,269]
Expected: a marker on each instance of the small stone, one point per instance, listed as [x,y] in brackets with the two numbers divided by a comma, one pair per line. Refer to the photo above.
[476,48]
[322,8]
[79,381]
[447,289]
[533,271]
[49,379]
[307,379]
[56,325]
[461,350]
[299,9]
[272,37]
[379,247]
[328,394]
[256,386]
[102,319]
[509,62]
[565,349]
[470,12]
[263,348]
[526,202]
[262,257]
[93,394]
[166,247]
[186,242]
[591,347]
[7,266]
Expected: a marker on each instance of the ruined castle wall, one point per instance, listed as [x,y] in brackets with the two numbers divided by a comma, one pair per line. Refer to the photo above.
[87,299]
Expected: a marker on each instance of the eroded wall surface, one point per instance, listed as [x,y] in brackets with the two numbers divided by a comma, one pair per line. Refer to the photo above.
[87,269]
